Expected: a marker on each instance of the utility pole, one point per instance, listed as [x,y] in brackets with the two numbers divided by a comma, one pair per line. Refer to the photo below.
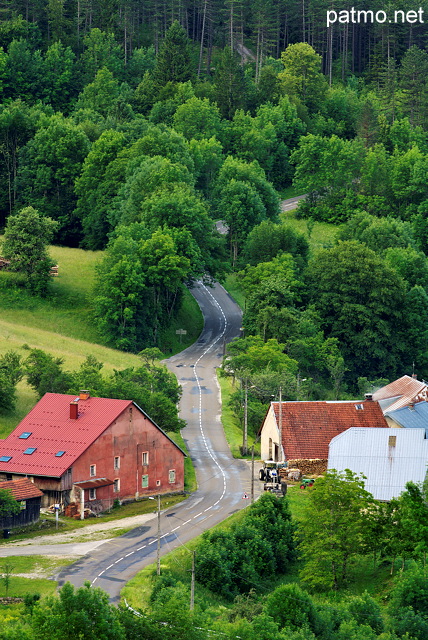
[192,584]
[252,474]
[280,426]
[159,531]
[245,441]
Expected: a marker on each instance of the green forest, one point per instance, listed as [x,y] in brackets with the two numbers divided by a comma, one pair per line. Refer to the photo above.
[127,131]
[133,127]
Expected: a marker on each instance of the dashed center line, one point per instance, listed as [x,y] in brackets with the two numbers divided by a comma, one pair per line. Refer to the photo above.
[203,438]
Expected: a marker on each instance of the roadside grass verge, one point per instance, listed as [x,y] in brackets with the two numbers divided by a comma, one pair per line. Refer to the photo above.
[290,192]
[188,318]
[232,428]
[19,587]
[232,286]
[178,564]
[47,524]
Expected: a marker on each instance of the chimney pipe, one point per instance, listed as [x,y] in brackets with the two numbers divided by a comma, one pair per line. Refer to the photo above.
[74,410]
[368,396]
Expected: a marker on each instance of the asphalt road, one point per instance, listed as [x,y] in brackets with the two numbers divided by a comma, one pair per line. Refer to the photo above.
[222,480]
[291,203]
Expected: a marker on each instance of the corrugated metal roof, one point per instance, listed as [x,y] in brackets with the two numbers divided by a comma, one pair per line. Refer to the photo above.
[94,483]
[308,427]
[22,489]
[401,392]
[52,430]
[415,417]
[387,458]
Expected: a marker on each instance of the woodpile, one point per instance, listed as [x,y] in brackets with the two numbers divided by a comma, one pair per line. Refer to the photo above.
[72,509]
[5,263]
[314,467]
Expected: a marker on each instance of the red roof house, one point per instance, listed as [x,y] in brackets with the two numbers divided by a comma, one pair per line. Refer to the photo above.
[98,449]
[308,427]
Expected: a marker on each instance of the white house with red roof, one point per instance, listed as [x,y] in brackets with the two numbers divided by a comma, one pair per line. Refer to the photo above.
[305,429]
[91,451]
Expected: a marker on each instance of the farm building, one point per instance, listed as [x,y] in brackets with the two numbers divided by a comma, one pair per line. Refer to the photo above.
[401,393]
[29,498]
[306,428]
[388,458]
[413,416]
[91,451]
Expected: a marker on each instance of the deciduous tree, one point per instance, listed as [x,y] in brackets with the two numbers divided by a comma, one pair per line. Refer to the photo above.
[26,237]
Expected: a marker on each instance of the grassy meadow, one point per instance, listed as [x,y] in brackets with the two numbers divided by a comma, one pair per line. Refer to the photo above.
[62,324]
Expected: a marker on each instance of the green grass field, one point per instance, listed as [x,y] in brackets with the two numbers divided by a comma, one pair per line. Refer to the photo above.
[62,325]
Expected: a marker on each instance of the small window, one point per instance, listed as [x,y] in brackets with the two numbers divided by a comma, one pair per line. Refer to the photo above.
[158,483]
[59,454]
[116,485]
[359,407]
[30,450]
[145,481]
[145,458]
[23,505]
[116,464]
[392,441]
[5,458]
[171,475]
[25,435]
[92,494]
[92,470]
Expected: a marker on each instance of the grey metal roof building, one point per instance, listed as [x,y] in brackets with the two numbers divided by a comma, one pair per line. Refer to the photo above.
[412,417]
[389,458]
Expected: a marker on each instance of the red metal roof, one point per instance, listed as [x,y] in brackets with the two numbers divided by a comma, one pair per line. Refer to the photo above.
[52,431]
[402,392]
[22,489]
[308,427]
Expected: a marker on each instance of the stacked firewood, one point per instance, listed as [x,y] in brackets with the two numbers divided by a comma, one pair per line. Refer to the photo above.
[314,467]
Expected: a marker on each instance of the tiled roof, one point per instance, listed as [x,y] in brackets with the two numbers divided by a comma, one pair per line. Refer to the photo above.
[308,427]
[22,489]
[401,393]
[57,439]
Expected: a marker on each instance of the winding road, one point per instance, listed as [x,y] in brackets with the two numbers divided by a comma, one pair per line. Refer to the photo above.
[222,480]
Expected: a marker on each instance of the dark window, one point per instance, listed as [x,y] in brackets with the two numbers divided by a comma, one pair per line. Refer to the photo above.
[30,450]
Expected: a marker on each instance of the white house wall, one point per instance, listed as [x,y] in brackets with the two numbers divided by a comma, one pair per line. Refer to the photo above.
[269,431]
[387,468]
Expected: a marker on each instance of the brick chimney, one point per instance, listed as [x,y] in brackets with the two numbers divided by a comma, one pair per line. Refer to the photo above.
[74,410]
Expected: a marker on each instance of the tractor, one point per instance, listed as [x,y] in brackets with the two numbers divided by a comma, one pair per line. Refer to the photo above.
[270,475]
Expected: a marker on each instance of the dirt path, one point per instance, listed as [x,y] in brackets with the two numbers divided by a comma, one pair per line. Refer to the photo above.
[91,533]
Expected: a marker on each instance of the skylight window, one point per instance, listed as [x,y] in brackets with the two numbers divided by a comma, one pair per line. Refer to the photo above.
[5,458]
[59,454]
[30,450]
[359,407]
[25,435]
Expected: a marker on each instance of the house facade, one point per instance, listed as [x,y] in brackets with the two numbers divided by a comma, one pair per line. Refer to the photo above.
[305,429]
[92,451]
